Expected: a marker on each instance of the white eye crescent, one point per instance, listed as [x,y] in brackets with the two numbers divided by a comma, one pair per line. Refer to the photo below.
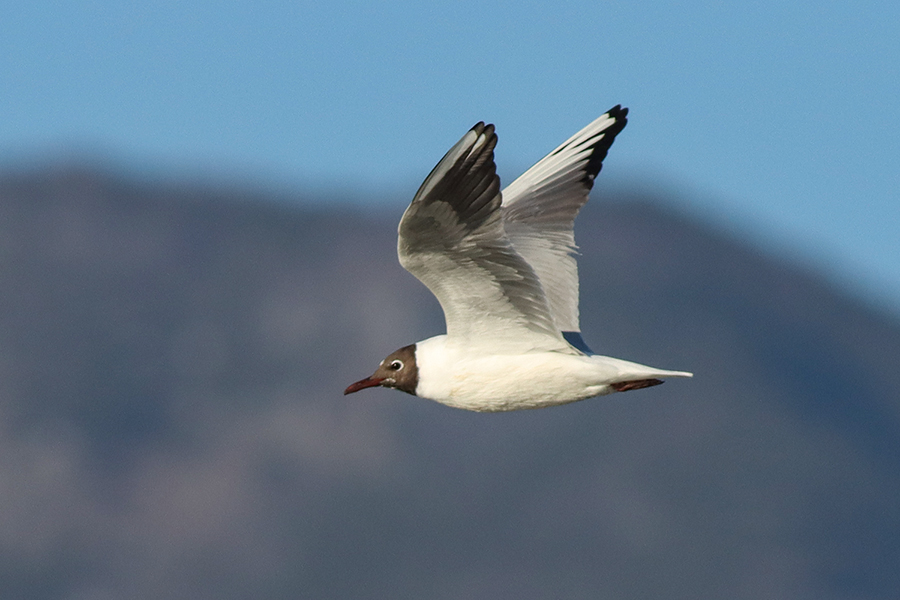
[396,365]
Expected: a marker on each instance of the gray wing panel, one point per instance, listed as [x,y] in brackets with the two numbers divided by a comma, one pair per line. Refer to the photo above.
[451,238]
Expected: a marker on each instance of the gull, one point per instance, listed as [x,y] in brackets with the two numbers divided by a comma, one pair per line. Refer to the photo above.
[503,269]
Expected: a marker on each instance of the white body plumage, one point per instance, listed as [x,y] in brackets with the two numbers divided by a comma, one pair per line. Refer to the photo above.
[466,377]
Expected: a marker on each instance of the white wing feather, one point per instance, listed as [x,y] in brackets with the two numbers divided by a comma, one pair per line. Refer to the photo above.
[539,210]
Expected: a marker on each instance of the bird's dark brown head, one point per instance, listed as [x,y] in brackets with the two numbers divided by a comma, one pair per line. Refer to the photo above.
[398,371]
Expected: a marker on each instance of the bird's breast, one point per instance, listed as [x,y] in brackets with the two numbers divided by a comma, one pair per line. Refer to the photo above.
[478,381]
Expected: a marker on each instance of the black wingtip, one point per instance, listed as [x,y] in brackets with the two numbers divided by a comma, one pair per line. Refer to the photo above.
[602,145]
[470,185]
[617,112]
[480,127]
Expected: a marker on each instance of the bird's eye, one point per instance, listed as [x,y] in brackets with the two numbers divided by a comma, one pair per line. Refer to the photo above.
[396,365]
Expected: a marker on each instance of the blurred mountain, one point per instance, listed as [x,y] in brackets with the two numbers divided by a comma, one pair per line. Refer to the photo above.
[172,359]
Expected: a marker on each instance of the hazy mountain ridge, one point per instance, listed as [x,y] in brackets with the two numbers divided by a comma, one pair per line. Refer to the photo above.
[171,361]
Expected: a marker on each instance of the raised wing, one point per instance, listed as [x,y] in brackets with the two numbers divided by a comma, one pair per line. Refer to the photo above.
[539,210]
[451,238]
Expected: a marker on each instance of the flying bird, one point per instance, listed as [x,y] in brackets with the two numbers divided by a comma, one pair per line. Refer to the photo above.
[502,266]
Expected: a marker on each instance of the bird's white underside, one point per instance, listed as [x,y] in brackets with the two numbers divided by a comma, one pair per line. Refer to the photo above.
[480,379]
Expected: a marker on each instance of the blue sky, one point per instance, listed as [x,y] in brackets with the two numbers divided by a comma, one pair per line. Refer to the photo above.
[777,120]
